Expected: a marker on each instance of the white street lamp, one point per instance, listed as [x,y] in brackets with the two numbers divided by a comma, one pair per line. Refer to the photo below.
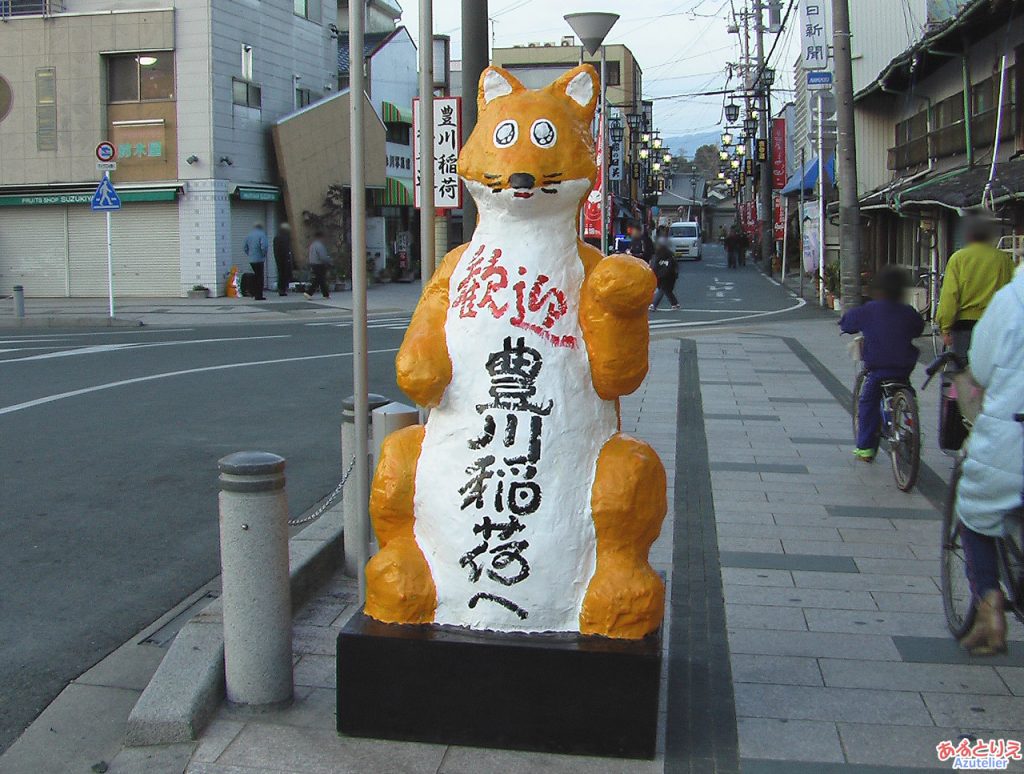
[592,28]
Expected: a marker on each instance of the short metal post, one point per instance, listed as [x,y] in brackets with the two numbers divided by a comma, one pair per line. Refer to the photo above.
[256,593]
[19,301]
[357,528]
[387,419]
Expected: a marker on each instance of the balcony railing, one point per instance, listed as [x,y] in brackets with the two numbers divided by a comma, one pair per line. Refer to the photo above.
[9,8]
[951,140]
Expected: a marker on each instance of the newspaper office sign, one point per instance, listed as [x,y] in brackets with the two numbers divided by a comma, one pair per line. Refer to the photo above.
[815,33]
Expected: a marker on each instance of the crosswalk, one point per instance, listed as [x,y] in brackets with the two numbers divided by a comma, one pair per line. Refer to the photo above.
[374,323]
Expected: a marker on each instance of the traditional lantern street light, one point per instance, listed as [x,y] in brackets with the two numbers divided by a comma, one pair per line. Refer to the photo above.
[726,139]
[643,153]
[732,112]
[656,142]
[750,124]
[633,120]
[656,166]
[616,129]
[741,150]
[645,138]
[667,158]
[723,155]
[768,76]
[735,163]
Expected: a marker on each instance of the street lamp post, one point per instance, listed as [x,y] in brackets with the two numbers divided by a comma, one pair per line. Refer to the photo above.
[592,29]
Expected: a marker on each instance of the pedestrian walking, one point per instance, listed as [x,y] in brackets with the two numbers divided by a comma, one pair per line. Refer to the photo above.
[732,247]
[319,261]
[889,327]
[255,249]
[283,257]
[640,244]
[666,271]
[973,275]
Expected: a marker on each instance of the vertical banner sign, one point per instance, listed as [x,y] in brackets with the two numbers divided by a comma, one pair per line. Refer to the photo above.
[615,161]
[778,153]
[447,144]
[592,206]
[780,221]
[814,34]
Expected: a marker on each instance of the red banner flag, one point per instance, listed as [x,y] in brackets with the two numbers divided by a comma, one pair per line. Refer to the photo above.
[780,218]
[778,153]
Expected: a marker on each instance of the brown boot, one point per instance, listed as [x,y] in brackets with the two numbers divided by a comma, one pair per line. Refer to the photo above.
[988,635]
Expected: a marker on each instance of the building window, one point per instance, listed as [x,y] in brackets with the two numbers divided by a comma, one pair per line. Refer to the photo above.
[6,98]
[46,109]
[307,9]
[246,93]
[303,97]
[398,133]
[143,77]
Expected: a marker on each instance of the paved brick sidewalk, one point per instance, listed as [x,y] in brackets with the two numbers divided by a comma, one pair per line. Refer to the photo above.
[805,632]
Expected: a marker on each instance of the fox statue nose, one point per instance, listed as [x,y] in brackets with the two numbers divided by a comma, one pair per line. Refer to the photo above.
[521,180]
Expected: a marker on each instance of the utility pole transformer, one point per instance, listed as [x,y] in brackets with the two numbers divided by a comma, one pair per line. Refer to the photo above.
[846,153]
[765,177]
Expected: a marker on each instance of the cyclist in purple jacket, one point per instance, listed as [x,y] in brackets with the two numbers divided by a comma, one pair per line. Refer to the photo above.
[889,327]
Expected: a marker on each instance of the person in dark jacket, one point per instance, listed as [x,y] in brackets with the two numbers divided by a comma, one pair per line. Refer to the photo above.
[640,244]
[283,257]
[319,262]
[889,327]
[666,271]
[732,244]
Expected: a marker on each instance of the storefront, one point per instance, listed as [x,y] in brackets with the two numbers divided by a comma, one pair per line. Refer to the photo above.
[54,245]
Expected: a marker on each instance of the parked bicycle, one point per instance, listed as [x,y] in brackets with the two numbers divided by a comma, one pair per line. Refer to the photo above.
[957,598]
[901,428]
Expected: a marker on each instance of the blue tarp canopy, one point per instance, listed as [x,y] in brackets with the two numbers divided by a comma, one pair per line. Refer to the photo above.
[809,175]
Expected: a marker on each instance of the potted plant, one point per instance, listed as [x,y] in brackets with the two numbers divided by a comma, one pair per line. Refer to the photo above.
[833,284]
[199,291]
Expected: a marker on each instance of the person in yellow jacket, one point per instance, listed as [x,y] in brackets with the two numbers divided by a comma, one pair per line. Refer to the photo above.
[973,275]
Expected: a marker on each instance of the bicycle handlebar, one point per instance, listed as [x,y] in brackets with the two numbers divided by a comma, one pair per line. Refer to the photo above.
[939,363]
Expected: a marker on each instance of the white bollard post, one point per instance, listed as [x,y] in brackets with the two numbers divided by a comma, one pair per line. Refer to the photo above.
[386,420]
[354,528]
[256,593]
[19,301]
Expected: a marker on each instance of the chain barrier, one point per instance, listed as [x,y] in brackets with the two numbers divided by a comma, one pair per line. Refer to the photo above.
[326,503]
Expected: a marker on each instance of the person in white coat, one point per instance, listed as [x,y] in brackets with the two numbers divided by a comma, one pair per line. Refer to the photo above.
[993,471]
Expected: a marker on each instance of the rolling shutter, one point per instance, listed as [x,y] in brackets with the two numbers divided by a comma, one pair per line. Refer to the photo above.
[243,215]
[32,250]
[144,238]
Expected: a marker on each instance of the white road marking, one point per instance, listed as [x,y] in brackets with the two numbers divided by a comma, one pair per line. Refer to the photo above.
[697,323]
[153,377]
[61,336]
[100,348]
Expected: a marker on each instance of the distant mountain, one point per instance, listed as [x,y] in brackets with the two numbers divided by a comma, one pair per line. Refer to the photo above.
[690,142]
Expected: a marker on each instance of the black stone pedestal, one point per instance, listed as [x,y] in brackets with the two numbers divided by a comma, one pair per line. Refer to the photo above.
[550,692]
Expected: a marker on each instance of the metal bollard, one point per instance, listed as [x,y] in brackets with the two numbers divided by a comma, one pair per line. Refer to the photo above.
[254,577]
[19,301]
[351,509]
[386,420]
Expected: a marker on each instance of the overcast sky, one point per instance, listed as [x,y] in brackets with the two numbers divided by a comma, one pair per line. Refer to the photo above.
[682,46]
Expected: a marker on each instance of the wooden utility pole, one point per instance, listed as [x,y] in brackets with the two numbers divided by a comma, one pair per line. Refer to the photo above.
[846,156]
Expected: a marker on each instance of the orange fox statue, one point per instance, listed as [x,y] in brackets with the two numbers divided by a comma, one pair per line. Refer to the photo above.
[519,506]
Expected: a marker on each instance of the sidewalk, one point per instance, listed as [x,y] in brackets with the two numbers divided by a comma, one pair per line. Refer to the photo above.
[804,626]
[385,298]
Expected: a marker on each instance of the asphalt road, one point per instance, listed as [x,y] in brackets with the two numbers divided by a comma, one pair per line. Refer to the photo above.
[108,449]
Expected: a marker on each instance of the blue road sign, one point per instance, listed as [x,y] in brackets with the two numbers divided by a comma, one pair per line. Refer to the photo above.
[819,78]
[105,199]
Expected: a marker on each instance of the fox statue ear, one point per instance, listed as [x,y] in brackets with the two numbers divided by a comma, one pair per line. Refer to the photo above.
[581,84]
[496,82]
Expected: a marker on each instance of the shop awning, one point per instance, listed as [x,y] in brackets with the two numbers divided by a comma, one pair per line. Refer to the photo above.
[392,114]
[41,196]
[257,193]
[809,175]
[964,188]
[397,193]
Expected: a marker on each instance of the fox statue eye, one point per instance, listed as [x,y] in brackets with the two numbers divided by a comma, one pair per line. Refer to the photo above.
[506,133]
[543,133]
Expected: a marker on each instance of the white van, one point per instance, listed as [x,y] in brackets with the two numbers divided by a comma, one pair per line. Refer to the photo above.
[685,239]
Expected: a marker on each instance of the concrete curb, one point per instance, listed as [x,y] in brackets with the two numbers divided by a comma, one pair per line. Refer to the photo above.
[188,686]
[68,322]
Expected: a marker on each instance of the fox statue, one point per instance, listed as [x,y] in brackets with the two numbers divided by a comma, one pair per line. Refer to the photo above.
[519,506]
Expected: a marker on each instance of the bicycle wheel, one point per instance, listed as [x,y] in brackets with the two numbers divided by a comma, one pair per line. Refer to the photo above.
[957,600]
[856,402]
[905,445]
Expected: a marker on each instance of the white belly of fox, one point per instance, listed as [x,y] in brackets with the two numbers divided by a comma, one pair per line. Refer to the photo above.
[503,485]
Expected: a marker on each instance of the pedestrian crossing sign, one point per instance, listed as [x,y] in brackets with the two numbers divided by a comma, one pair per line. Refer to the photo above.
[105,199]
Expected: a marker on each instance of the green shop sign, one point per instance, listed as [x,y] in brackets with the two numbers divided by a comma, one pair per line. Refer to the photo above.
[42,200]
[257,194]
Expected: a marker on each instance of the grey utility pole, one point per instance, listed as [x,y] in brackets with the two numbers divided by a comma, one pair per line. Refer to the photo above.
[426,127]
[765,178]
[846,153]
[474,61]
